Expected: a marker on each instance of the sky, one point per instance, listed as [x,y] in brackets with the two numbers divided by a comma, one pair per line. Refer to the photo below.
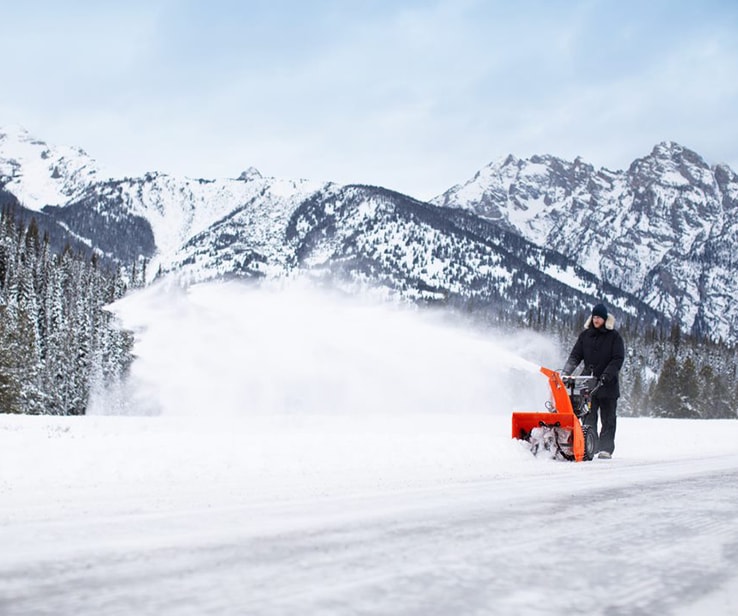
[412,95]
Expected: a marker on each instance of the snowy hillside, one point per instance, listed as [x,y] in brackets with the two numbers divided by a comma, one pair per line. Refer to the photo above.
[375,236]
[250,237]
[292,451]
[179,209]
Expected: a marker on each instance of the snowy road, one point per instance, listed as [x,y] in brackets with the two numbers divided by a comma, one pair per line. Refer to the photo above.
[284,454]
[305,457]
[609,537]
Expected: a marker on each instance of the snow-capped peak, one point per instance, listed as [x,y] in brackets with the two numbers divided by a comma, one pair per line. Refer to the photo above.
[671,164]
[252,173]
[39,174]
[672,150]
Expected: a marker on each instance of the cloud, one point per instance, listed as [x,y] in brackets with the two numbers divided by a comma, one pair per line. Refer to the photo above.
[415,96]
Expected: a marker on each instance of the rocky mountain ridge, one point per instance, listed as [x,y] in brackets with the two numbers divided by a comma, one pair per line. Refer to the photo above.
[663,230]
[522,238]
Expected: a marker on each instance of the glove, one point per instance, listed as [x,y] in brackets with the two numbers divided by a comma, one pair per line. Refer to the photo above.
[605,379]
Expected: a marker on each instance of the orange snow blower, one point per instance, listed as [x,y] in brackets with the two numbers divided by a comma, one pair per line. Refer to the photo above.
[559,431]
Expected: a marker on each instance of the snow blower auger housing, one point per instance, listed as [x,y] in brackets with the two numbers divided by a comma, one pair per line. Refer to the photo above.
[559,432]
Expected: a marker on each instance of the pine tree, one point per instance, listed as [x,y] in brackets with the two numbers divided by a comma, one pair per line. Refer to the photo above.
[688,390]
[10,370]
[665,399]
[638,395]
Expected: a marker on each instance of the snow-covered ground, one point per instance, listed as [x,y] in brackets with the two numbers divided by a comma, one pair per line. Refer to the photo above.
[291,452]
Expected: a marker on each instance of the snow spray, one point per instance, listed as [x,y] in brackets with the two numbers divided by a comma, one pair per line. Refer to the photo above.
[236,348]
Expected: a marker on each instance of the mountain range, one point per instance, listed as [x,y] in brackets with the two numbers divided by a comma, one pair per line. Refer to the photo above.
[525,239]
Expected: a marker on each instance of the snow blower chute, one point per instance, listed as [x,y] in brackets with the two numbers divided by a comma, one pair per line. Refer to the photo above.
[558,432]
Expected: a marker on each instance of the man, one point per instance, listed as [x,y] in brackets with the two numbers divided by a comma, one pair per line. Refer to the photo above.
[602,350]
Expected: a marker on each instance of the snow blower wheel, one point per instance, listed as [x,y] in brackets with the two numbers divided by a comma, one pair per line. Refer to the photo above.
[590,442]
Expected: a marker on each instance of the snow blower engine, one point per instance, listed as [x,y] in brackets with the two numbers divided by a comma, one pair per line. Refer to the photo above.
[559,433]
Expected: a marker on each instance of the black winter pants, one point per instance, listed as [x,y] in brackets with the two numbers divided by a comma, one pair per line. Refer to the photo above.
[606,408]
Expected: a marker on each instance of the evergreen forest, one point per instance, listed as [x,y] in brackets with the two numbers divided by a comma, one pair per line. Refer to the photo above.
[59,343]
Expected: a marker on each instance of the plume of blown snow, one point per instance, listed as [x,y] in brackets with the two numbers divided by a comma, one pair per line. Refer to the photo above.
[234,349]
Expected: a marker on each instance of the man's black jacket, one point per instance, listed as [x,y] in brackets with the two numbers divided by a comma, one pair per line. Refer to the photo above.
[603,352]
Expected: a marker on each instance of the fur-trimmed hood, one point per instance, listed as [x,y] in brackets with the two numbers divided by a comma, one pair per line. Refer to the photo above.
[609,322]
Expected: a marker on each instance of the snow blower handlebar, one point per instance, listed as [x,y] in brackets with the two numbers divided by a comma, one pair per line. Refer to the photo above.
[570,380]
